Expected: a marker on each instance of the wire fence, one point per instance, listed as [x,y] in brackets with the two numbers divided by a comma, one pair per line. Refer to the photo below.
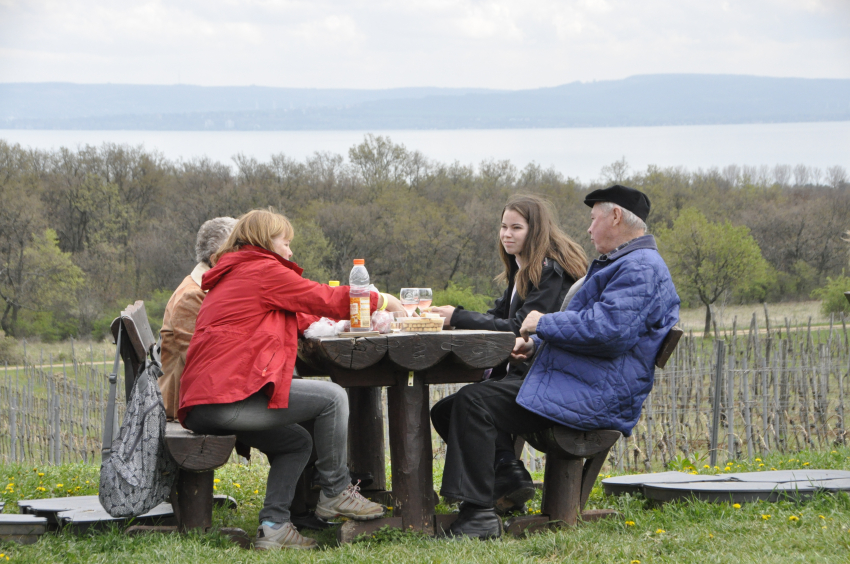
[53,413]
[746,393]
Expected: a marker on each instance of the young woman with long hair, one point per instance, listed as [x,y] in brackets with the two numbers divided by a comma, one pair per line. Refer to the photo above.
[541,263]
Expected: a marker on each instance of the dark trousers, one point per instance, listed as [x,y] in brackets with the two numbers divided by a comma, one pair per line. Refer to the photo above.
[479,413]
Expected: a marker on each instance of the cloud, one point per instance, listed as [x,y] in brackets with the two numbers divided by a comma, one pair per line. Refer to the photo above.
[489,43]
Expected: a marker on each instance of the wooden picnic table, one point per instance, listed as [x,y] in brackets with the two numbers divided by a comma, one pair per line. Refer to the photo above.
[407,363]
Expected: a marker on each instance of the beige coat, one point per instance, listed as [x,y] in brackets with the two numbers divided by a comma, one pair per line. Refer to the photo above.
[178,326]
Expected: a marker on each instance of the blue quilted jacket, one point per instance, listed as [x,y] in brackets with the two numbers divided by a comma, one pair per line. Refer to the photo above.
[596,360]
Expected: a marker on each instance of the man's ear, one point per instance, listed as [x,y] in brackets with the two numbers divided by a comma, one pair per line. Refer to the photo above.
[617,216]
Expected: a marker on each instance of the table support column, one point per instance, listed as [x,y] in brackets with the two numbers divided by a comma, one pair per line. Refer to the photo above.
[366,435]
[410,449]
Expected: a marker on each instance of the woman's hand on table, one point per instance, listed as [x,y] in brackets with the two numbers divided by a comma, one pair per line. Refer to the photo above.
[393,303]
[522,350]
[444,311]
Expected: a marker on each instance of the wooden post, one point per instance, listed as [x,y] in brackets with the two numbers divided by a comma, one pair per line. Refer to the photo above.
[720,347]
[562,489]
[748,426]
[366,435]
[730,400]
[194,500]
[410,447]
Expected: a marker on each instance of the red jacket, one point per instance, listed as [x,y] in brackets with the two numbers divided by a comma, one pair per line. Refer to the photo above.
[246,335]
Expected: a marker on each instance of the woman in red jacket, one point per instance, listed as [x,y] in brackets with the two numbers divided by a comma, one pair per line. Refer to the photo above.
[238,375]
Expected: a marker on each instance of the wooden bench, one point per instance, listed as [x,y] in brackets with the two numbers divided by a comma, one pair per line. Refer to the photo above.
[197,455]
[573,462]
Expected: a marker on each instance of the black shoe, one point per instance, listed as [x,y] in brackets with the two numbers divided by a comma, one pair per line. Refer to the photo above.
[476,522]
[310,520]
[513,486]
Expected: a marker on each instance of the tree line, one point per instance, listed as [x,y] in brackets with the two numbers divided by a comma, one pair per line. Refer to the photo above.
[84,232]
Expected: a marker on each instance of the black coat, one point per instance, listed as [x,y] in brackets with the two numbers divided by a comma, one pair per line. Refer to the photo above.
[507,315]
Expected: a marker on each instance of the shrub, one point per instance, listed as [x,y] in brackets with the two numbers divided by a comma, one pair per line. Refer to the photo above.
[832,294]
[465,296]
[8,352]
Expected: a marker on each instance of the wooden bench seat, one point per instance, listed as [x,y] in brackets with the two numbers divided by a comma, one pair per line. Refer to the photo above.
[197,455]
[573,462]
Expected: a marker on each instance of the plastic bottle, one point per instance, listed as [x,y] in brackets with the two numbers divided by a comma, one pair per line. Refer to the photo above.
[359,298]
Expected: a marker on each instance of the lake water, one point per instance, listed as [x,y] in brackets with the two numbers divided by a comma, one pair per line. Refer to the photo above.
[578,153]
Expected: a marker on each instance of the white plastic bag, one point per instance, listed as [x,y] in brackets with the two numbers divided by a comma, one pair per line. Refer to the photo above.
[382,321]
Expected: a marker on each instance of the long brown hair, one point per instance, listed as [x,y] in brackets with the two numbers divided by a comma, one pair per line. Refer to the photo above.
[544,240]
[257,227]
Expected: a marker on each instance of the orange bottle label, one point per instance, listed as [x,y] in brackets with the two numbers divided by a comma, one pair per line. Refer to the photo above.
[361,317]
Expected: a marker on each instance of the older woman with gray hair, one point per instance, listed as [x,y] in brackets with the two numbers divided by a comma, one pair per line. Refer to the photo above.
[178,323]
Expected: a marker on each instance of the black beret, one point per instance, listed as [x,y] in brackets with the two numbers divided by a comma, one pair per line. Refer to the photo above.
[625,197]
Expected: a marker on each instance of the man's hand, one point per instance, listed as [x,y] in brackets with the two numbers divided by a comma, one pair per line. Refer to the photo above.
[529,326]
[522,350]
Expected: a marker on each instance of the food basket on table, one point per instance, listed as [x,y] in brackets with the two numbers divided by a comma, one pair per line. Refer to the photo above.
[419,324]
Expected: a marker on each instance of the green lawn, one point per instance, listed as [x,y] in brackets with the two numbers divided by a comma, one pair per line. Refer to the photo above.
[815,531]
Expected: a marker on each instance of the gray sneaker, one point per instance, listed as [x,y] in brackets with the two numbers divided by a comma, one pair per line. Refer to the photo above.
[349,504]
[285,537]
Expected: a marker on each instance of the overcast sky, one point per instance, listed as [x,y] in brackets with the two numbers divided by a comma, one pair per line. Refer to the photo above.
[512,44]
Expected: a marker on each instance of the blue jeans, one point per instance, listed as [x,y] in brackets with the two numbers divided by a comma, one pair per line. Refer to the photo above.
[276,433]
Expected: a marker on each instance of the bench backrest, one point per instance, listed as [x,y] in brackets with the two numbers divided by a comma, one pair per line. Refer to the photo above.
[668,345]
[136,343]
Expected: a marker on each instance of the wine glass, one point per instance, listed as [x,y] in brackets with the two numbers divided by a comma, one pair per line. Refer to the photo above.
[409,298]
[425,298]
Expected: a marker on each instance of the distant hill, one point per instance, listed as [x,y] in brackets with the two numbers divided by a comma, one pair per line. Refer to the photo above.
[675,99]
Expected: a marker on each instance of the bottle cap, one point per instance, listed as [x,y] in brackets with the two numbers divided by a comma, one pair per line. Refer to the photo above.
[333,283]
[359,261]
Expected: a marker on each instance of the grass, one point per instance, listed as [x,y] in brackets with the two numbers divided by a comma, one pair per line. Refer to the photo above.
[796,312]
[817,530]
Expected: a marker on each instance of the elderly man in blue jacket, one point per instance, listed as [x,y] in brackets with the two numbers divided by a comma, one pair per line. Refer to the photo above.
[594,361]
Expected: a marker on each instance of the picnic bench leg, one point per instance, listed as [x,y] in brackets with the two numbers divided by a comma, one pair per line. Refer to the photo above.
[562,489]
[194,500]
[366,435]
[410,449]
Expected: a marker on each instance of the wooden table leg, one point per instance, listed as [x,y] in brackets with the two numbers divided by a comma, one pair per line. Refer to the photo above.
[410,449]
[366,435]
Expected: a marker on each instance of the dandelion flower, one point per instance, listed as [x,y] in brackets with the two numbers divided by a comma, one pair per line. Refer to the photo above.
[60,485]
[660,531]
[765,517]
[706,466]
[216,481]
[822,517]
[758,459]
[710,536]
[793,518]
[41,474]
[833,452]
[215,487]
[773,468]
[630,523]
[736,505]
[805,464]
[635,562]
[256,491]
[236,485]
[760,465]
